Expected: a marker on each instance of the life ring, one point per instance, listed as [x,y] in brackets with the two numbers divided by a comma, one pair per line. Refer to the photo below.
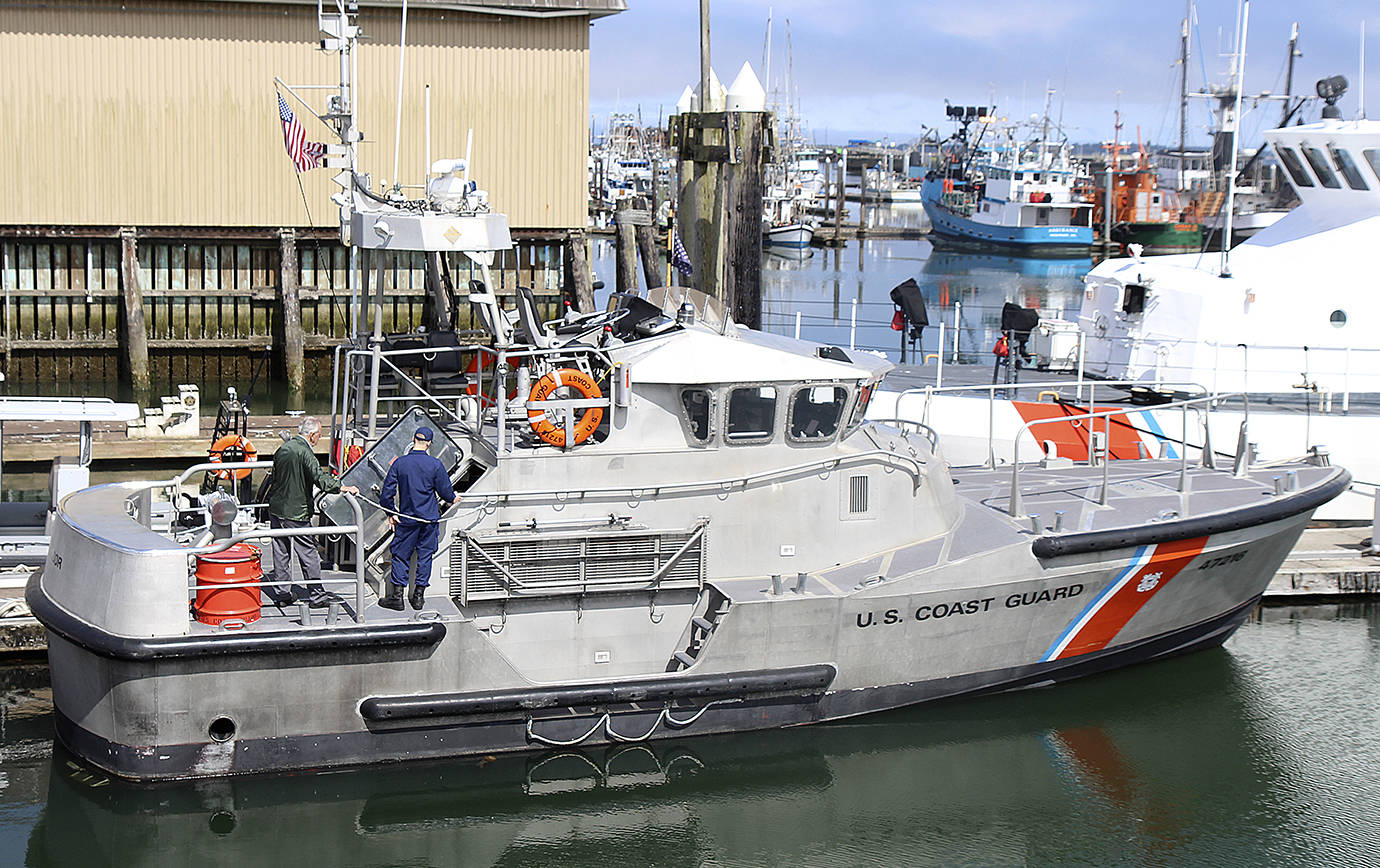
[233,443]
[541,423]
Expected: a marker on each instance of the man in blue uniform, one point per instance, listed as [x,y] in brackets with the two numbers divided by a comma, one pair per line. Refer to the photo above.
[418,480]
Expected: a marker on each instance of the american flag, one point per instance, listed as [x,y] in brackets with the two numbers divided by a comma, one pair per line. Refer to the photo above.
[679,258]
[305,155]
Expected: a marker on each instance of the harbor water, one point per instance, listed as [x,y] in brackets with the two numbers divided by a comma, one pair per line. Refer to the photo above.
[841,296]
[1258,753]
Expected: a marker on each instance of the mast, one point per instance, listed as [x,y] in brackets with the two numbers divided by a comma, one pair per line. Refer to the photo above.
[1237,82]
[1289,73]
[1183,92]
[766,53]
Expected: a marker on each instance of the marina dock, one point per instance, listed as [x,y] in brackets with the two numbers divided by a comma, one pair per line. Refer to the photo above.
[34,442]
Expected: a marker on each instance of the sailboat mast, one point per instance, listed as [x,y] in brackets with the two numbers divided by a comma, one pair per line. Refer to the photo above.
[766,54]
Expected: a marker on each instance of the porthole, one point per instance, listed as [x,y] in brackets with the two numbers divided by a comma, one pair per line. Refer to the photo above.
[222,822]
[1338,318]
[221,729]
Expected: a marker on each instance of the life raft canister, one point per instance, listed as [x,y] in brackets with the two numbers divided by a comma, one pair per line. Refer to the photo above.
[541,422]
[237,565]
[232,448]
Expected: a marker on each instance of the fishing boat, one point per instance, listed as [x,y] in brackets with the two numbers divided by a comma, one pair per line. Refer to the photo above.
[1020,194]
[667,525]
[1137,210]
[785,223]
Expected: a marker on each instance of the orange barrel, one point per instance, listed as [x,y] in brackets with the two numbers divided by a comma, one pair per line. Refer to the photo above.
[236,565]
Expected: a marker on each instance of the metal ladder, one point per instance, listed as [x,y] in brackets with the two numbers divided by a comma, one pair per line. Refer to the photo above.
[702,626]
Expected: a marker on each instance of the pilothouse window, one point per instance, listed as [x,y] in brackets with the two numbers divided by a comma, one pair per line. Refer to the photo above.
[1294,167]
[1321,168]
[815,412]
[751,414]
[1373,157]
[697,403]
[1348,168]
[860,405]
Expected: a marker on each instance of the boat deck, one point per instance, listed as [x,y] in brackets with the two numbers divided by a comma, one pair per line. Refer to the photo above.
[1028,382]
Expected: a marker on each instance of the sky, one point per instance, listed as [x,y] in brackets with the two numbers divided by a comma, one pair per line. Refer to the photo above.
[880,69]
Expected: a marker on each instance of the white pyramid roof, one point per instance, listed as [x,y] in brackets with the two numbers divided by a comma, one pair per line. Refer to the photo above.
[746,94]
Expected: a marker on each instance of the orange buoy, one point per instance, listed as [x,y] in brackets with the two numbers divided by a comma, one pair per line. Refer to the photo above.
[541,423]
[237,565]
[230,448]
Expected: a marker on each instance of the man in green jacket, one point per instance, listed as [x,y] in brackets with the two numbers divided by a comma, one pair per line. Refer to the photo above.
[295,473]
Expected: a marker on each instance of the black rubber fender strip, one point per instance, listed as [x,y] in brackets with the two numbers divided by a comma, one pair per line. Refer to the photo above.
[1275,509]
[811,679]
[127,648]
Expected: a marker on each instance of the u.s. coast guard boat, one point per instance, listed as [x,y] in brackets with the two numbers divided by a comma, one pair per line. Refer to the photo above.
[667,525]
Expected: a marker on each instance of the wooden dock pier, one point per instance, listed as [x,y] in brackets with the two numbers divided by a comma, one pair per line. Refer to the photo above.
[154,306]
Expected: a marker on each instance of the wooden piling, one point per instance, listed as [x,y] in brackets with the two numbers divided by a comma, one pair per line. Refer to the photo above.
[743,198]
[838,202]
[579,287]
[651,257]
[289,297]
[722,156]
[625,241]
[134,338]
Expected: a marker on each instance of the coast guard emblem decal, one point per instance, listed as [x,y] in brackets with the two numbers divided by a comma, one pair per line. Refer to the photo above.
[1151,568]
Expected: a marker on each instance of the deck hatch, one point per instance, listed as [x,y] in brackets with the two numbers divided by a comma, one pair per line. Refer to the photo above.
[503,566]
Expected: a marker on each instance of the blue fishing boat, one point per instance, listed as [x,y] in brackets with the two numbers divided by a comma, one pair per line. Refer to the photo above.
[1022,196]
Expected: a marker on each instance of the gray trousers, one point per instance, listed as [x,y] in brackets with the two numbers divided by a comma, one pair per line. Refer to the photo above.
[303,547]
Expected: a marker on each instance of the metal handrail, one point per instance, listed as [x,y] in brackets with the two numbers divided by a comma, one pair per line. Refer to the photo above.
[991,389]
[929,433]
[1014,505]
[357,529]
[556,587]
[726,484]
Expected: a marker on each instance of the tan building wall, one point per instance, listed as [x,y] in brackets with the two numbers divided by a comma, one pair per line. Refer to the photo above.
[163,113]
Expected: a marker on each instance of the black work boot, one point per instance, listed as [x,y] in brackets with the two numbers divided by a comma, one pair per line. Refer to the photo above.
[394,599]
[418,597]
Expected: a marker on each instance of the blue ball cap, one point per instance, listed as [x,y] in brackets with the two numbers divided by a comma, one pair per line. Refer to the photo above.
[423,433]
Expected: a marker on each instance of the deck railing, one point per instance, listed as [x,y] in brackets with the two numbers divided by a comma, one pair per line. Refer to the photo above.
[140,505]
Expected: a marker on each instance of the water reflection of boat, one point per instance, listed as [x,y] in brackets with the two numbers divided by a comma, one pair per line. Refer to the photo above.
[954,262]
[1162,744]
[786,258]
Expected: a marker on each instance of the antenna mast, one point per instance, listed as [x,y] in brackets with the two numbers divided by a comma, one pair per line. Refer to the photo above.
[1237,81]
[1289,73]
[1183,92]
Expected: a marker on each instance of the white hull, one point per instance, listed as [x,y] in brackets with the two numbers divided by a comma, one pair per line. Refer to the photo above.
[790,235]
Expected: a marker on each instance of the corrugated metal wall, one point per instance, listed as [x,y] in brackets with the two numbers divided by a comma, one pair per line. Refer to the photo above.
[163,113]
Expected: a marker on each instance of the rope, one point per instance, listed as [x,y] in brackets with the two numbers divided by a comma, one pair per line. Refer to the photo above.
[608,728]
[606,721]
[14,609]
[557,743]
